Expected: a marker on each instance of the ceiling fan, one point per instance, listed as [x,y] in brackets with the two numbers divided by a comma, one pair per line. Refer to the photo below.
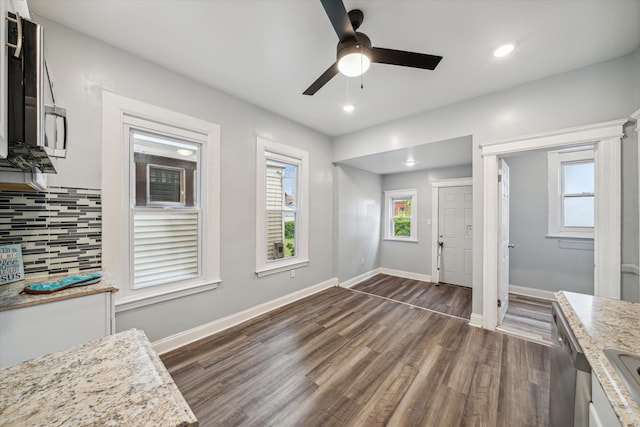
[355,53]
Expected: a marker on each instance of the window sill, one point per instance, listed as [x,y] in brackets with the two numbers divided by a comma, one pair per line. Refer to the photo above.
[136,301]
[280,267]
[583,236]
[398,239]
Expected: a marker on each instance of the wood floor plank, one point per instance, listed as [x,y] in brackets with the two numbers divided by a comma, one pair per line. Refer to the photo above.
[449,299]
[344,358]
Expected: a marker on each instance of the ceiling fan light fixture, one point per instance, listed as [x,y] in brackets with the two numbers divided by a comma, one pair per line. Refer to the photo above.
[353,60]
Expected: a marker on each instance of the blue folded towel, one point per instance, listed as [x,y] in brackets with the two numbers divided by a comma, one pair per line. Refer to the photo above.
[68,282]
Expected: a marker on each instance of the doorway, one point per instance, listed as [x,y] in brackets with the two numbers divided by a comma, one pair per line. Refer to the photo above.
[605,137]
[452,231]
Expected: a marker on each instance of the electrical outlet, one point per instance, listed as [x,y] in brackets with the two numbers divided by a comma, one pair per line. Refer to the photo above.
[293,274]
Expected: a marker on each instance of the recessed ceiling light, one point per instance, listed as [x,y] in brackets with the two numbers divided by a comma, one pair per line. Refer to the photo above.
[348,108]
[410,163]
[503,50]
[184,152]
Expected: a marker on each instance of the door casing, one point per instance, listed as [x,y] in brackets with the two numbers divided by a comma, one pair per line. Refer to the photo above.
[606,138]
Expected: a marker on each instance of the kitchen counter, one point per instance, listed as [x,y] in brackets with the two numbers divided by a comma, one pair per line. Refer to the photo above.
[115,381]
[10,297]
[600,323]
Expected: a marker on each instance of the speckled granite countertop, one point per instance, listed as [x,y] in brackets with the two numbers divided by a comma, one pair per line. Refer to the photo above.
[600,323]
[115,381]
[10,297]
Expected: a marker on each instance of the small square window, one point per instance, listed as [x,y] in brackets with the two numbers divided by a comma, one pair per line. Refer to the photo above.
[571,187]
[400,216]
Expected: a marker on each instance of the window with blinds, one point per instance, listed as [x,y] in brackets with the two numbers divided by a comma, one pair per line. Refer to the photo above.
[166,218]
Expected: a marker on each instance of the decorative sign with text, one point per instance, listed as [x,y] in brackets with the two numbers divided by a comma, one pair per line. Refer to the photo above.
[11,267]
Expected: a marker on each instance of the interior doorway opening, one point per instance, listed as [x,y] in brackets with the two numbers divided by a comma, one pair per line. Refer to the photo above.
[606,139]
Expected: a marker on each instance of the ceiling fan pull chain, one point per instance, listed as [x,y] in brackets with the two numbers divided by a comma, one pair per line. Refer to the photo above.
[361,66]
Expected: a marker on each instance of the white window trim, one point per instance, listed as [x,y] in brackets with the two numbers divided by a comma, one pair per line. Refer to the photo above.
[301,258]
[118,113]
[555,159]
[389,196]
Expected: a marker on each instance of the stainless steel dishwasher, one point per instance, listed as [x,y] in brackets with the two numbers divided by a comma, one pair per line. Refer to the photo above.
[570,383]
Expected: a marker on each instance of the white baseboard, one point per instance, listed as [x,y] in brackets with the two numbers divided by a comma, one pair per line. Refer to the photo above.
[360,278]
[180,339]
[406,274]
[532,292]
[630,269]
[476,320]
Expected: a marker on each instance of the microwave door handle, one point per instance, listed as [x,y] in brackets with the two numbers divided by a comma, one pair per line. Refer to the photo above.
[18,45]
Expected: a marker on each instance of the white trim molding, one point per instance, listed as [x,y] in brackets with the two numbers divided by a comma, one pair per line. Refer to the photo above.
[180,339]
[476,320]
[532,292]
[406,274]
[436,185]
[360,278]
[606,138]
[563,138]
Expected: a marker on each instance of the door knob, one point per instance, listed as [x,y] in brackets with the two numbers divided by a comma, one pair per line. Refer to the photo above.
[511,246]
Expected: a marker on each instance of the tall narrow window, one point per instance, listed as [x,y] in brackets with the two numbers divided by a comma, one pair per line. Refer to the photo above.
[161,202]
[571,182]
[401,215]
[282,225]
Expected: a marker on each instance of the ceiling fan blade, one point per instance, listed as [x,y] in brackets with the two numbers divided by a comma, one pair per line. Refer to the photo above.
[405,59]
[339,19]
[322,80]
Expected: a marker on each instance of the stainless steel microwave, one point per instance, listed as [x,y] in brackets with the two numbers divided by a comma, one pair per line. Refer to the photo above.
[25,96]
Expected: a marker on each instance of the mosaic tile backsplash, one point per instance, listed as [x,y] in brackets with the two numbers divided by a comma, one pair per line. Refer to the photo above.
[60,230]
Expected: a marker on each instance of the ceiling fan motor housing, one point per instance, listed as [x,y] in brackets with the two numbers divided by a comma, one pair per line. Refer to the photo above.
[360,45]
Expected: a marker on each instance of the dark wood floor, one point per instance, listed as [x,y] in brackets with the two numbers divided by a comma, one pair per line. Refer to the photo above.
[448,299]
[344,358]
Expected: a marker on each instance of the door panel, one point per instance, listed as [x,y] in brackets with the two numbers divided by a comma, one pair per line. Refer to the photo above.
[455,231]
[503,240]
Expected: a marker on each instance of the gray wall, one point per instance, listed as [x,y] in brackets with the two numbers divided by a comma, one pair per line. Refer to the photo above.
[358,208]
[409,256]
[538,262]
[83,67]
[592,94]
[630,281]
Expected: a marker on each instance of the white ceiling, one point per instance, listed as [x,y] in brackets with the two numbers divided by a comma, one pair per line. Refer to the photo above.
[440,154]
[268,52]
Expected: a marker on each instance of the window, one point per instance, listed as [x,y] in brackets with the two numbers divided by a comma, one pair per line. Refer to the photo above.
[571,181]
[158,233]
[282,216]
[401,215]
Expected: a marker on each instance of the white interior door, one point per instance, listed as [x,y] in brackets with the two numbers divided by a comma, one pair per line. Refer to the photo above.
[456,232]
[503,241]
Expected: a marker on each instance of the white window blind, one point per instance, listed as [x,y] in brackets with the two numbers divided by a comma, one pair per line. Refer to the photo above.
[165,247]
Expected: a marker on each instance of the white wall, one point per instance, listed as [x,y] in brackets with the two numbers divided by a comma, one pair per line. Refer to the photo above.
[83,67]
[358,208]
[409,256]
[592,94]
[538,262]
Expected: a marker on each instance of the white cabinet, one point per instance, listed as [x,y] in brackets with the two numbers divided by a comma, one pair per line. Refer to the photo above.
[601,412]
[36,330]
